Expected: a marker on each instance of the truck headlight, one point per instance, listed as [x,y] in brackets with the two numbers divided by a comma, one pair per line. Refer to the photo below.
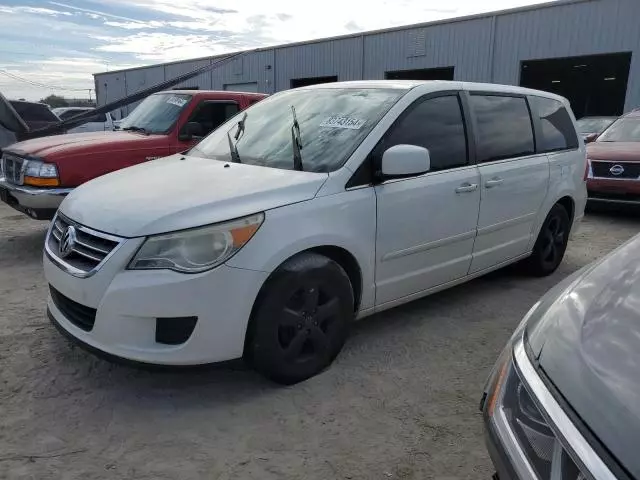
[198,249]
[40,174]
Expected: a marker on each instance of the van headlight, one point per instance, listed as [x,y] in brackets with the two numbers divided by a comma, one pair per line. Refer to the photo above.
[197,249]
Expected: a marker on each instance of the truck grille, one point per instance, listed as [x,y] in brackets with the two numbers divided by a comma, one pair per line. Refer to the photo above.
[87,251]
[626,170]
[12,168]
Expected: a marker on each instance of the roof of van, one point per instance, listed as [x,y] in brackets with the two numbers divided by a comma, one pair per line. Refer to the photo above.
[437,85]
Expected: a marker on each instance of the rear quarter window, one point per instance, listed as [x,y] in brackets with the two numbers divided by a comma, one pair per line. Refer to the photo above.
[556,127]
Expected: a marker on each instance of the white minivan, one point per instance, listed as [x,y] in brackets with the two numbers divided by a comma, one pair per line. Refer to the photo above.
[314,207]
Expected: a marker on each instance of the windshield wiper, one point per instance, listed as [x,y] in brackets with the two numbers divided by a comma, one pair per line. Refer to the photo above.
[233,146]
[133,128]
[296,140]
[240,129]
[233,150]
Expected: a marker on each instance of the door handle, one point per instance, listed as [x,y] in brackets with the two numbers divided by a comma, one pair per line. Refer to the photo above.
[494,182]
[466,187]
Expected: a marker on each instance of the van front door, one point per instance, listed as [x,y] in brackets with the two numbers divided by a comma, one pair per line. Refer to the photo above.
[426,224]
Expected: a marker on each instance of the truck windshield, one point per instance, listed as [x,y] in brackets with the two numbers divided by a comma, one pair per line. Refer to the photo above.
[626,129]
[332,122]
[157,113]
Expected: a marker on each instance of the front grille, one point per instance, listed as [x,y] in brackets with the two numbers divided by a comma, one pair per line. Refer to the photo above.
[12,168]
[626,170]
[81,316]
[87,252]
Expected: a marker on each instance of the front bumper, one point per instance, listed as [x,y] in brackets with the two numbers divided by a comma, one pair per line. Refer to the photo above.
[39,203]
[614,191]
[129,303]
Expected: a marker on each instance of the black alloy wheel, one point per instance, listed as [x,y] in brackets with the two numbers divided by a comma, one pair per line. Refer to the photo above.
[551,244]
[301,320]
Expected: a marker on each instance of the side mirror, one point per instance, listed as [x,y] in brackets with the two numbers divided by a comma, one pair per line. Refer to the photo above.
[405,161]
[190,130]
[590,138]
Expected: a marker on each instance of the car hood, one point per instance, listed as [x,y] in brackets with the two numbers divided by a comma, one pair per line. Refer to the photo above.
[78,143]
[588,344]
[614,151]
[180,192]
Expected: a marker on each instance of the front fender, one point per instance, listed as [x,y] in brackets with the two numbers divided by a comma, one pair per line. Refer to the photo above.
[346,220]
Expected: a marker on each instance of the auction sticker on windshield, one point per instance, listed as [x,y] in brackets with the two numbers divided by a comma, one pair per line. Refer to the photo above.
[340,121]
[177,101]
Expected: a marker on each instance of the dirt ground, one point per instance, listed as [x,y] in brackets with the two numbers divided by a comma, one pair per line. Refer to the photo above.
[401,401]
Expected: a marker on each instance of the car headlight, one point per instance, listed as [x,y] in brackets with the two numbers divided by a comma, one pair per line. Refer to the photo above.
[198,249]
[40,174]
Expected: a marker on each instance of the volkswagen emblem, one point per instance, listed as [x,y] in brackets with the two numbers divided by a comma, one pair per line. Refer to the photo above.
[617,170]
[67,242]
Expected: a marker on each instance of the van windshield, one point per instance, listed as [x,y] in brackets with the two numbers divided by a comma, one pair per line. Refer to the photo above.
[157,113]
[331,123]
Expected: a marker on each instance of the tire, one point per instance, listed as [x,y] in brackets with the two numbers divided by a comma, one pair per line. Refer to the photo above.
[301,319]
[551,243]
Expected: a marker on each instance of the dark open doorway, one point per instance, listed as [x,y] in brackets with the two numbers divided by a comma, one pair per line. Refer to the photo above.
[445,73]
[304,82]
[595,84]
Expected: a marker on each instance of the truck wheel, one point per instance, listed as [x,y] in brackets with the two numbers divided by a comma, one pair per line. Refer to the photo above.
[551,244]
[301,320]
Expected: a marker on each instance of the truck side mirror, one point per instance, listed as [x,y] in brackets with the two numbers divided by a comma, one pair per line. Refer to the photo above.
[190,130]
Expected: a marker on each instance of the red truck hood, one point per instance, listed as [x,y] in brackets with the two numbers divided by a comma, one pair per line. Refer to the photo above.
[614,151]
[81,143]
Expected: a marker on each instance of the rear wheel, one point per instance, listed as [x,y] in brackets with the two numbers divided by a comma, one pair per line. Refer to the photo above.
[551,244]
[301,320]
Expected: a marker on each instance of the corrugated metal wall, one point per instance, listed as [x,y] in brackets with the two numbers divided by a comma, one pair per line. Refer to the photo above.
[142,78]
[588,28]
[202,81]
[464,45]
[486,49]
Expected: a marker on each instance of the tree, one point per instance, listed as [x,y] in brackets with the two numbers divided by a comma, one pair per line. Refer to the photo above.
[54,101]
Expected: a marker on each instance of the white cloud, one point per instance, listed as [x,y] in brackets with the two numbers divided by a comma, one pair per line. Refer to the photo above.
[182,29]
[134,25]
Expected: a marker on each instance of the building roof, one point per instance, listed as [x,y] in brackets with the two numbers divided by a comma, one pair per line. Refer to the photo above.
[549,4]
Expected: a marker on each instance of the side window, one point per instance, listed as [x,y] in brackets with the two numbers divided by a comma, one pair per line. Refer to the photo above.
[504,127]
[436,124]
[99,118]
[558,132]
[212,114]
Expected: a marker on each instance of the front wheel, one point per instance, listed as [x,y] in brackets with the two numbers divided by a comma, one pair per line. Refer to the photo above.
[301,320]
[551,244]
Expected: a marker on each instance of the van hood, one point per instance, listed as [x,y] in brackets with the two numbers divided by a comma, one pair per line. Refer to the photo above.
[614,151]
[57,146]
[179,192]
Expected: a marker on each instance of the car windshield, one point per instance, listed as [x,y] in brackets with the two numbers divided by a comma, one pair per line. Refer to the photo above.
[623,130]
[593,125]
[331,123]
[157,113]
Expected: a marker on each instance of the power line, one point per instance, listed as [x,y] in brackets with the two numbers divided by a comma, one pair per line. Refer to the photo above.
[42,85]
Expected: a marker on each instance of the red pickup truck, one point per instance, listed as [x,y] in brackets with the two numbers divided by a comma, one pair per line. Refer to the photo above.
[37,174]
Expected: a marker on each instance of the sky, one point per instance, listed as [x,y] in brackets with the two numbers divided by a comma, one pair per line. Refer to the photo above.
[54,46]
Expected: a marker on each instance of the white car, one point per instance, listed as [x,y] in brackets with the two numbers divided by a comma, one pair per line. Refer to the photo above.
[101,122]
[310,209]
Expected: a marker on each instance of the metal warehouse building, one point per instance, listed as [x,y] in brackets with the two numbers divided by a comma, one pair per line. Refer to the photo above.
[586,50]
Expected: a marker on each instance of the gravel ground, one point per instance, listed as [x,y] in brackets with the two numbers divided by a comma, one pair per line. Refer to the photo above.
[401,401]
